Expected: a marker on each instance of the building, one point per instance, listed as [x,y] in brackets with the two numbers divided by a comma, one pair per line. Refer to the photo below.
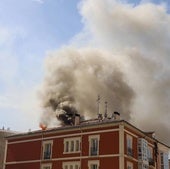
[3,133]
[108,143]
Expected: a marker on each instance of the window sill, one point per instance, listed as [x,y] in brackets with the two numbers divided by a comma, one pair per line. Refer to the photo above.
[73,152]
[93,156]
[46,159]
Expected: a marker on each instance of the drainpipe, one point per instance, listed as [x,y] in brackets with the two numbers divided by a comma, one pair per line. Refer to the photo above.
[41,148]
[121,146]
[81,146]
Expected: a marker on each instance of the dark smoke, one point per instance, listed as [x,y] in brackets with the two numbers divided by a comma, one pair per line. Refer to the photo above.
[76,77]
[133,75]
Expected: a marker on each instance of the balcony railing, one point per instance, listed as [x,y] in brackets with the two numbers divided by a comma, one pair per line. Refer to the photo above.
[130,151]
[47,155]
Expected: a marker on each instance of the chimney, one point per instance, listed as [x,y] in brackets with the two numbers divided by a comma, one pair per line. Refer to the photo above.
[77,119]
[116,115]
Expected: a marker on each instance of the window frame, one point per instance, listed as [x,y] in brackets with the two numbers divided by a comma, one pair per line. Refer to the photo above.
[67,165]
[164,163]
[46,165]
[93,162]
[143,147]
[43,149]
[129,145]
[70,145]
[150,156]
[93,137]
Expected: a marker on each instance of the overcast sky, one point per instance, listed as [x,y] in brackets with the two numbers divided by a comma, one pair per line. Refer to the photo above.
[29,29]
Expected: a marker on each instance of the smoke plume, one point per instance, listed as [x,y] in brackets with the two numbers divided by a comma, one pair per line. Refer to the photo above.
[127,64]
[77,76]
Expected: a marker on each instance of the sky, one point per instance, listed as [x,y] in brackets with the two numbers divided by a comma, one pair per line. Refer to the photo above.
[31,29]
[28,29]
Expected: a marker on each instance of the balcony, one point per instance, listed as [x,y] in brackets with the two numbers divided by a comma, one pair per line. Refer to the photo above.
[130,151]
[47,155]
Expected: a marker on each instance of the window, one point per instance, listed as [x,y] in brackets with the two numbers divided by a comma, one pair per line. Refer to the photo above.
[129,165]
[46,166]
[72,145]
[94,145]
[129,143]
[67,146]
[47,149]
[93,164]
[77,146]
[143,150]
[76,166]
[164,160]
[71,165]
[150,155]
[143,166]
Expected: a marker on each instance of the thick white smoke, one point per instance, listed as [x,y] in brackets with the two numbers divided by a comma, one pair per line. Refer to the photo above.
[77,76]
[130,68]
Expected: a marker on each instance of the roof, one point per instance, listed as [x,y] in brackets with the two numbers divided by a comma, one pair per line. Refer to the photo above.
[87,123]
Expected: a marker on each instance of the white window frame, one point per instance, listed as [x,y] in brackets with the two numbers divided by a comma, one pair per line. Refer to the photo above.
[129,139]
[43,148]
[68,142]
[67,165]
[164,163]
[129,165]
[143,153]
[91,137]
[93,162]
[150,153]
[43,166]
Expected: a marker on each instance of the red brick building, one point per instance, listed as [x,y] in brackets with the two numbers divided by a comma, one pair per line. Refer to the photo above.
[3,133]
[93,144]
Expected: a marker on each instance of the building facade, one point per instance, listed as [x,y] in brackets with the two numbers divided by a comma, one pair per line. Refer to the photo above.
[3,133]
[106,144]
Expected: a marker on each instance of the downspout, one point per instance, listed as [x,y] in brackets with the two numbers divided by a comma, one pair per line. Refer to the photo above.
[121,146]
[81,147]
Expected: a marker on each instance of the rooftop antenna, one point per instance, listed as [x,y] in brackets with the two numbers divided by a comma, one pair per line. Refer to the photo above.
[98,104]
[105,114]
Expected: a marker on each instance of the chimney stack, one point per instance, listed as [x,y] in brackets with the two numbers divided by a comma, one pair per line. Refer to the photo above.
[77,119]
[116,115]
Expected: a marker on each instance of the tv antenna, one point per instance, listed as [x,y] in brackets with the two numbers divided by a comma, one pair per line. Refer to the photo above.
[98,104]
[105,114]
